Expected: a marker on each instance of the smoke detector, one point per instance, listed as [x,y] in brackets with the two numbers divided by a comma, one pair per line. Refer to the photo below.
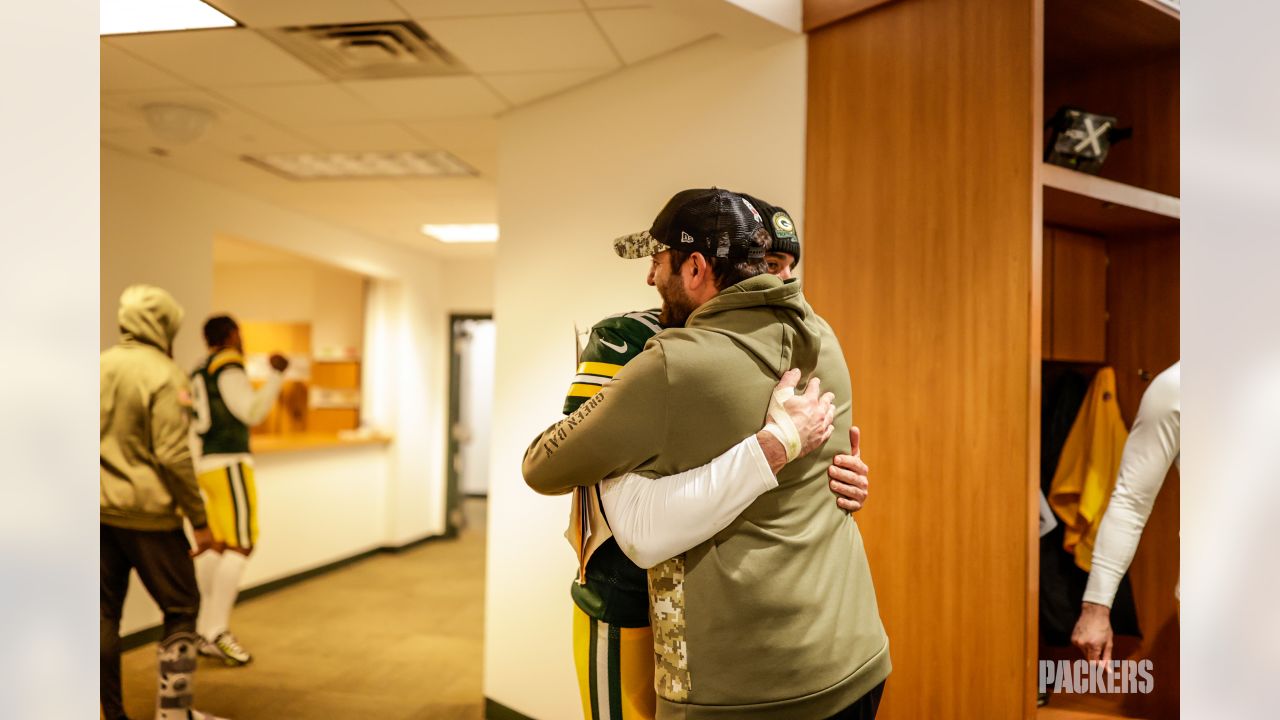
[178,124]
[368,51]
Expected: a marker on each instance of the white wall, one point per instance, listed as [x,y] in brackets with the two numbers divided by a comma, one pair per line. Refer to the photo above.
[468,285]
[158,226]
[314,508]
[158,233]
[331,300]
[576,171]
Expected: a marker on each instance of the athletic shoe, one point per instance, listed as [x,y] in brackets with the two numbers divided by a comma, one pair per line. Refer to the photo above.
[226,648]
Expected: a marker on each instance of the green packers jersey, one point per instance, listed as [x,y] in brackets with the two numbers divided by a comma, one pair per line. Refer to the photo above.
[613,342]
[220,432]
[616,589]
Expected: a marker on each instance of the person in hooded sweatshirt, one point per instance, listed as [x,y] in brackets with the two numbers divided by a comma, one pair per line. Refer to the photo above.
[775,616]
[147,486]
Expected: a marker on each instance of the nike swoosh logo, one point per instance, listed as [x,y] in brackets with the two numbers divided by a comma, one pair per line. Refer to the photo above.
[616,348]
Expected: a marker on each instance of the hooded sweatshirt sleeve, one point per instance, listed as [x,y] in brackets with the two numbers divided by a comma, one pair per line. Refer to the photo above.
[618,429]
[170,424]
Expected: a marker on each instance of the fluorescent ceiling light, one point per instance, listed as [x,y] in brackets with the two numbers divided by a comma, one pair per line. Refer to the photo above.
[117,17]
[478,233]
[318,166]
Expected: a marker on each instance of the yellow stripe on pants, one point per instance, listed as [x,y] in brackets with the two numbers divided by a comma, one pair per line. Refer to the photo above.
[635,669]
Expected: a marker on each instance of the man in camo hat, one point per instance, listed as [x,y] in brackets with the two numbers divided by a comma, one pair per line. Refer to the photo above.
[612,618]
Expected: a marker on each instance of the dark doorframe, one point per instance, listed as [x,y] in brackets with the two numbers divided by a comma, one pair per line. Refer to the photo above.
[453,492]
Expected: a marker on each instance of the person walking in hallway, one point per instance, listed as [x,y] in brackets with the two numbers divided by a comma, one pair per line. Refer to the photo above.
[226,406]
[147,484]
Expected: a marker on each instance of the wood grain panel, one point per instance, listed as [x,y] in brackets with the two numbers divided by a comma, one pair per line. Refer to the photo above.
[329,420]
[1078,300]
[920,251]
[824,12]
[296,442]
[336,375]
[1143,302]
[1143,96]
[1142,299]
[1099,206]
[1098,35]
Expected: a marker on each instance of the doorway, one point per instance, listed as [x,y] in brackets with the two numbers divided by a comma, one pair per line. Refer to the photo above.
[471,360]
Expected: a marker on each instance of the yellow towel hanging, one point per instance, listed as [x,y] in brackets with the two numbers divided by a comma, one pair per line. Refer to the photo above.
[1087,468]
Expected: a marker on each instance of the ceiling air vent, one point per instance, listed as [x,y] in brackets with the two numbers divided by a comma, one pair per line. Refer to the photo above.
[368,51]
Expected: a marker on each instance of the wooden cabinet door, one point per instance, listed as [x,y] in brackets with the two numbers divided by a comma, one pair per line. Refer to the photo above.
[1075,296]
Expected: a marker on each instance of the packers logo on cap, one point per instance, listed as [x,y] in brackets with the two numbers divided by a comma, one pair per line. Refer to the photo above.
[782,225]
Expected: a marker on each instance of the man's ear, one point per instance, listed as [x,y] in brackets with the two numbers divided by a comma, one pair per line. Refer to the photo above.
[699,270]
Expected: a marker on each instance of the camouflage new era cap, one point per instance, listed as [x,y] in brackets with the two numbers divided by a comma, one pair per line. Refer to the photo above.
[637,245]
[714,222]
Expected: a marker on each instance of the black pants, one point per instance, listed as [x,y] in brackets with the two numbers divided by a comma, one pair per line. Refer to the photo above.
[865,708]
[164,565]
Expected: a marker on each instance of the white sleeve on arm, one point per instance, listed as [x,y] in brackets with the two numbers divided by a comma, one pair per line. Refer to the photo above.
[657,519]
[1152,447]
[247,405]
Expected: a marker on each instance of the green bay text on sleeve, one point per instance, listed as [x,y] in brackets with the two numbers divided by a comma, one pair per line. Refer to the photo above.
[613,432]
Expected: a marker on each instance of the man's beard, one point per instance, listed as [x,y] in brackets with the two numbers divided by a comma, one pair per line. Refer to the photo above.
[677,306]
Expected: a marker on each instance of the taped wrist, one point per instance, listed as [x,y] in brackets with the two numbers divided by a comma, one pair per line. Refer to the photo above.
[780,424]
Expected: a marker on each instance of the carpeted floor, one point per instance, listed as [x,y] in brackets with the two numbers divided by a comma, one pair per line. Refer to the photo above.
[394,637]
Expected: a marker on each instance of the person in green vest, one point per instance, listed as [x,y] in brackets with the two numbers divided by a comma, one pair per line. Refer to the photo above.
[613,640]
[226,405]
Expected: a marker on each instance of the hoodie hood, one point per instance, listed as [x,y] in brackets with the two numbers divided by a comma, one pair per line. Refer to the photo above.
[800,329]
[149,315]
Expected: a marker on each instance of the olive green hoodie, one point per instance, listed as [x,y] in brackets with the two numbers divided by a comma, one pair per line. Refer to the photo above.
[145,466]
[775,616]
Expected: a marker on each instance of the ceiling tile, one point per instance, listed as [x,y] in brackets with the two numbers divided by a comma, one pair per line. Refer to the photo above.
[473,140]
[218,58]
[363,137]
[282,13]
[310,105]
[472,8]
[131,103]
[520,88]
[233,130]
[121,72]
[427,97]
[525,43]
[111,119]
[641,33]
[385,209]
[368,195]
[228,250]
[223,168]
[452,200]
[246,135]
[139,141]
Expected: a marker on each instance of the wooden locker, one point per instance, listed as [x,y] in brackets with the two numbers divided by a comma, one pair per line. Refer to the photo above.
[1075,296]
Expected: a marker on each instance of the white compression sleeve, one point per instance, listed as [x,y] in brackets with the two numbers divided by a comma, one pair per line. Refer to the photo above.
[1152,447]
[249,406]
[657,519]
